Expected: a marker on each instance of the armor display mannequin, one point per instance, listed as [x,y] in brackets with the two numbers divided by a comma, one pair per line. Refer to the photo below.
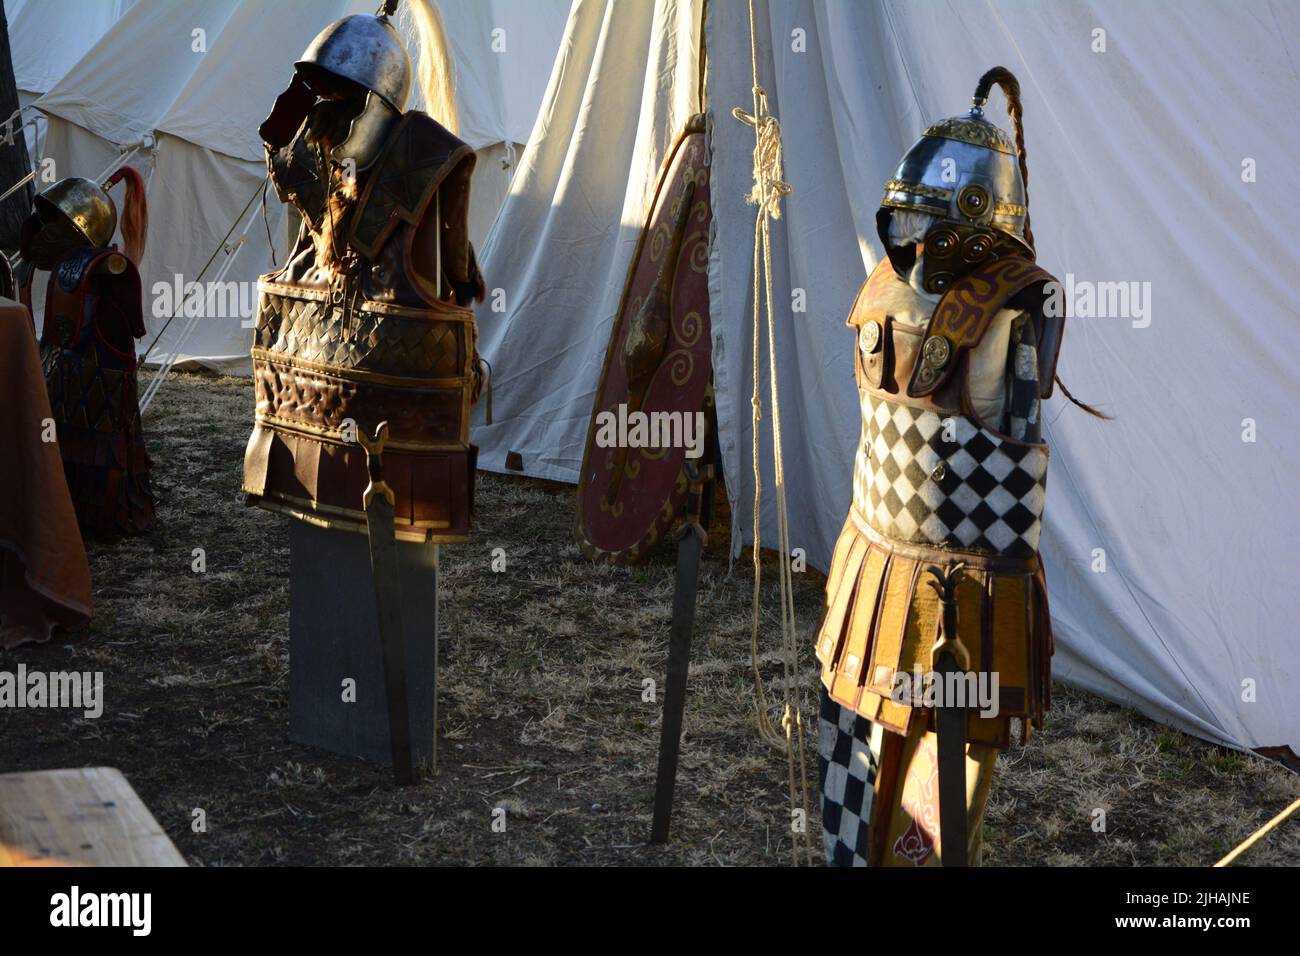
[368,320]
[956,345]
[93,315]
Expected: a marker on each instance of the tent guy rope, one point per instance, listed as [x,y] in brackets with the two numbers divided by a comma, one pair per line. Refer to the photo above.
[1258,835]
[768,191]
[215,252]
[165,369]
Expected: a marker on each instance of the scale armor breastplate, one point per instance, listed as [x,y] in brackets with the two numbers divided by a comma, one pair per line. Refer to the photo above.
[347,348]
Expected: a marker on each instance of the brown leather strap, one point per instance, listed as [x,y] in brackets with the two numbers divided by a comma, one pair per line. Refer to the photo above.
[985,562]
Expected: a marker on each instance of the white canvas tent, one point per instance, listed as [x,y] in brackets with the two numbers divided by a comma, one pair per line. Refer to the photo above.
[213,69]
[47,39]
[1169,531]
[45,42]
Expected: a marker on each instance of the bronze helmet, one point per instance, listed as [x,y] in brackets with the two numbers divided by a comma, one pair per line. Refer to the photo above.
[84,204]
[72,213]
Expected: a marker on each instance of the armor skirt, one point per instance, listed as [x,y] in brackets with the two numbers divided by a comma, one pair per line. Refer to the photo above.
[881,621]
[101,440]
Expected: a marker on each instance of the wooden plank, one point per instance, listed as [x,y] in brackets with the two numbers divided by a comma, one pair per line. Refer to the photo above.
[88,816]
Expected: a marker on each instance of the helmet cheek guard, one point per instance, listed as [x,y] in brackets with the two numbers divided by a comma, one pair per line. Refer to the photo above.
[367,134]
[359,53]
[288,114]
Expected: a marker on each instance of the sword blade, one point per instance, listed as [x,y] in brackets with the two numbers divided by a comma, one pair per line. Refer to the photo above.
[950,727]
[679,662]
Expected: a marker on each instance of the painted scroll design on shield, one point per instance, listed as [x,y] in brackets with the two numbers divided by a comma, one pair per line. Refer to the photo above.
[653,322]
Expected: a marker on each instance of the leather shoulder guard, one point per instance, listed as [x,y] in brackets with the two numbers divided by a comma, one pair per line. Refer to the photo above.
[422,158]
[881,278]
[70,284]
[968,308]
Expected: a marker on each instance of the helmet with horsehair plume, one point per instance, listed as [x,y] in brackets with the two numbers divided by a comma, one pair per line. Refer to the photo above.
[78,212]
[968,179]
[85,206]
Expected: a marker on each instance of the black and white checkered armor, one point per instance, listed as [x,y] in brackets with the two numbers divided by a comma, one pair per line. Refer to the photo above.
[944,479]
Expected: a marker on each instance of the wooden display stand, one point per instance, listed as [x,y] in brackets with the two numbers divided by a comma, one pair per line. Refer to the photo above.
[334,638]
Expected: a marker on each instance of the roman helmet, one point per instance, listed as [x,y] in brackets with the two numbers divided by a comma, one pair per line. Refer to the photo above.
[970,175]
[73,212]
[361,61]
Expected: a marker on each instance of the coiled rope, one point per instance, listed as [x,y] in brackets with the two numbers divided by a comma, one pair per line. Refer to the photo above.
[768,191]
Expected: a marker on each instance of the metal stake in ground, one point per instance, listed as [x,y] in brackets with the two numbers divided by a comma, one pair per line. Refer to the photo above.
[378,502]
[692,538]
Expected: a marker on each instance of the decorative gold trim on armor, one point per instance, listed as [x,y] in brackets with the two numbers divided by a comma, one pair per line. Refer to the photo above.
[357,375]
[869,338]
[973,200]
[1010,209]
[919,189]
[973,132]
[329,436]
[936,351]
[447,313]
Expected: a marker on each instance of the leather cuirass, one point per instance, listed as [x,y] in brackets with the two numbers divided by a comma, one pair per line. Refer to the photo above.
[935,486]
[93,315]
[340,348]
[928,471]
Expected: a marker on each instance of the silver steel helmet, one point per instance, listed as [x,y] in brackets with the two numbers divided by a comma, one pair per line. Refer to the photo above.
[365,51]
[82,203]
[964,171]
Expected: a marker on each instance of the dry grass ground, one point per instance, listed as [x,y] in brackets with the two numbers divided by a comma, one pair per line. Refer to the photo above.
[542,705]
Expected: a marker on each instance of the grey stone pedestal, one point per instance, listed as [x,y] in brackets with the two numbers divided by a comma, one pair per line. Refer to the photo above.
[334,638]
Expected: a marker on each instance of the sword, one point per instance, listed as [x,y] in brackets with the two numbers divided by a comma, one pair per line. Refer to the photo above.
[692,538]
[378,502]
[949,656]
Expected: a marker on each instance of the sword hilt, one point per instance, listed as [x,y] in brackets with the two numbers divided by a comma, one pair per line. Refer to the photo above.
[698,478]
[944,583]
[375,465]
[950,721]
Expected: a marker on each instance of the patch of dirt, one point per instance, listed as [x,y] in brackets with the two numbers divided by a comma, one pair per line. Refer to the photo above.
[542,713]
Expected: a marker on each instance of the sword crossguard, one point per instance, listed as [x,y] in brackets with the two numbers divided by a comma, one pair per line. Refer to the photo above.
[944,583]
[375,465]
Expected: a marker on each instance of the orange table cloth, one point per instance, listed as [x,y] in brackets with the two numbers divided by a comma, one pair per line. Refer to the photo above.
[44,575]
